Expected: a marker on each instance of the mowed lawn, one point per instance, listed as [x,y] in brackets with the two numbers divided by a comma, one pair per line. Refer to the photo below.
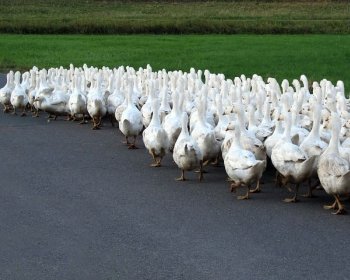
[280,56]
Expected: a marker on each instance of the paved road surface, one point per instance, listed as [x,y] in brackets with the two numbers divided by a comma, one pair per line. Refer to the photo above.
[76,204]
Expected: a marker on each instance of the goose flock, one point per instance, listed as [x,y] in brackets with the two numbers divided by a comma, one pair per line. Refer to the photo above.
[248,124]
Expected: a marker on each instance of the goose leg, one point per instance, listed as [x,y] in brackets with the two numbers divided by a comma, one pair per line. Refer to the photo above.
[94,125]
[36,114]
[257,189]
[23,112]
[156,161]
[99,124]
[182,177]
[331,206]
[83,120]
[246,196]
[295,197]
[341,209]
[200,171]
[311,187]
[233,187]
[126,141]
[6,109]
[14,111]
[278,178]
[133,144]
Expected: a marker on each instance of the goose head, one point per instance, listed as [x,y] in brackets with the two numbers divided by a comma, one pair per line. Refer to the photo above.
[284,85]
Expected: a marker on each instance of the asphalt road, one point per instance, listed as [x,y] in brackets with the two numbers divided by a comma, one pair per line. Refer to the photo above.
[77,204]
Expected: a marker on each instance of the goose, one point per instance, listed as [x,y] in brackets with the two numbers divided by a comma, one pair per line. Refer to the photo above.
[77,100]
[345,134]
[43,93]
[54,103]
[252,127]
[271,141]
[164,109]
[146,109]
[220,128]
[242,167]
[204,135]
[19,98]
[25,84]
[155,137]
[187,155]
[115,100]
[5,92]
[172,121]
[313,145]
[305,87]
[229,135]
[248,139]
[120,109]
[333,170]
[60,99]
[265,128]
[325,128]
[291,161]
[96,105]
[194,116]
[34,86]
[131,119]
[296,128]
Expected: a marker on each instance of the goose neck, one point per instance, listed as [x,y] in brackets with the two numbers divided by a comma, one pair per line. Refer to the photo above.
[286,134]
[316,123]
[334,142]
[155,116]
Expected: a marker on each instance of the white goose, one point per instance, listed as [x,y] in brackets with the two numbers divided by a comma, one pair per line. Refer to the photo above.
[313,144]
[115,99]
[19,98]
[96,105]
[164,109]
[291,161]
[5,92]
[271,141]
[187,155]
[242,167]
[333,170]
[43,93]
[172,121]
[265,129]
[34,86]
[77,100]
[131,119]
[248,139]
[155,137]
[220,128]
[204,135]
[59,102]
[146,110]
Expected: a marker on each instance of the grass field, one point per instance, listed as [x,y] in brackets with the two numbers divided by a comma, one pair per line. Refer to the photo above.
[282,56]
[176,17]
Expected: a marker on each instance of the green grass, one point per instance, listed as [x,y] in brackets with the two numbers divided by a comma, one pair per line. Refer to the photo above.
[181,17]
[280,56]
